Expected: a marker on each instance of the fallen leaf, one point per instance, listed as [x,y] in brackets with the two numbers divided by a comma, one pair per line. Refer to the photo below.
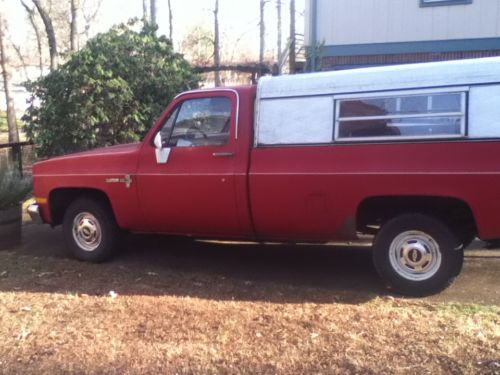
[113,294]
[23,334]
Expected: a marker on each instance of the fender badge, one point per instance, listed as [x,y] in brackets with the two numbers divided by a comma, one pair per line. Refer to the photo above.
[127,180]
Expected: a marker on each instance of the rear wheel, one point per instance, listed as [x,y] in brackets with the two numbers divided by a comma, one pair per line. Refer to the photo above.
[417,255]
[90,230]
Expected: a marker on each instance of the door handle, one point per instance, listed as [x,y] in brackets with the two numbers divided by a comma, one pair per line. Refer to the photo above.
[223,154]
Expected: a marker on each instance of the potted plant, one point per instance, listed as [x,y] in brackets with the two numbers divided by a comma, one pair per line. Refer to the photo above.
[13,190]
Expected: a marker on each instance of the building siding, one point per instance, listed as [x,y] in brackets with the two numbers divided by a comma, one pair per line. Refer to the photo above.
[358,33]
[345,22]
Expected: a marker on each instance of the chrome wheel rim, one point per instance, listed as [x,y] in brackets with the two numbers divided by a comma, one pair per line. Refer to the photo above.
[87,231]
[415,255]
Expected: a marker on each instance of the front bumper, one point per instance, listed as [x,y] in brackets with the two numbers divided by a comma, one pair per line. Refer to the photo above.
[34,212]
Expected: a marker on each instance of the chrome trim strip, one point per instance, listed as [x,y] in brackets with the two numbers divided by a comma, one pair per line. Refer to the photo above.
[415,116]
[404,91]
[371,173]
[149,174]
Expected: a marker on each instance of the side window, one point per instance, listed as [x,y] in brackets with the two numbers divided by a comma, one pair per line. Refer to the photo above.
[166,129]
[199,122]
[432,115]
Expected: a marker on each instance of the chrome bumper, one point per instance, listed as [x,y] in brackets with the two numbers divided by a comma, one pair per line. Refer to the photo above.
[34,212]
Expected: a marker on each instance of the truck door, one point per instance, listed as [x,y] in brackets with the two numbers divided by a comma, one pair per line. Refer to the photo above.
[193,192]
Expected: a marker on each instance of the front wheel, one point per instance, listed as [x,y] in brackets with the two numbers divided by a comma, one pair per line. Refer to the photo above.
[90,230]
[417,255]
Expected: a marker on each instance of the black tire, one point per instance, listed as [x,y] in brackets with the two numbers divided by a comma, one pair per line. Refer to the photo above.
[98,234]
[417,255]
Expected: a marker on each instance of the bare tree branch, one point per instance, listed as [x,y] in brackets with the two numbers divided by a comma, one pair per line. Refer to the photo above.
[89,18]
[20,57]
[31,16]
[51,36]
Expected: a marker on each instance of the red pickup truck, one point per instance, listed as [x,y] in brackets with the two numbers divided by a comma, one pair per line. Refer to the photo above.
[406,154]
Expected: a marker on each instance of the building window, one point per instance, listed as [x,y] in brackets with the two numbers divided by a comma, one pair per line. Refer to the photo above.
[408,115]
[432,3]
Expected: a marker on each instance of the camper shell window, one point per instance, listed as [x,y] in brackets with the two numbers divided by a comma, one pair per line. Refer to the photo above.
[401,115]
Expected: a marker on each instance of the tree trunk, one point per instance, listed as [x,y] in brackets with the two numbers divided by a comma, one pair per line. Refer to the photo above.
[11,111]
[170,22]
[279,46]
[31,15]
[145,15]
[216,45]
[292,37]
[153,13]
[262,32]
[51,35]
[74,26]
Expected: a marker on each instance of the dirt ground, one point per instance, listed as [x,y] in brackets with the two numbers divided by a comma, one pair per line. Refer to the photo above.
[173,305]
[343,272]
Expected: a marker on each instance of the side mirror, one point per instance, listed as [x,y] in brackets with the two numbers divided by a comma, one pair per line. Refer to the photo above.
[162,153]
[158,141]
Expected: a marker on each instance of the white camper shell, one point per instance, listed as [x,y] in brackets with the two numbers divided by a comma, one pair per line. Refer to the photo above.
[429,101]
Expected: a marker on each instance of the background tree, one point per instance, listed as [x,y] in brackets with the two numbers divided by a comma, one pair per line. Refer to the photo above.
[74,25]
[262,30]
[170,22]
[279,45]
[217,45]
[153,12]
[145,13]
[292,57]
[11,111]
[51,35]
[89,10]
[38,36]
[107,93]
[198,46]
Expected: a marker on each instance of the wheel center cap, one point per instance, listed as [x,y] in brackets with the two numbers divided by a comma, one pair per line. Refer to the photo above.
[415,255]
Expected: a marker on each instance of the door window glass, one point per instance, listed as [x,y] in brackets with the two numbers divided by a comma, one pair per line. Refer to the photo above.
[201,122]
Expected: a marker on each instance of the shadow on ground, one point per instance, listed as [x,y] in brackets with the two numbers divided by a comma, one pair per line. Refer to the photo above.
[163,266]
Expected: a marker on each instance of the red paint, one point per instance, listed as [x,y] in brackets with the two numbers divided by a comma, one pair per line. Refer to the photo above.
[277,193]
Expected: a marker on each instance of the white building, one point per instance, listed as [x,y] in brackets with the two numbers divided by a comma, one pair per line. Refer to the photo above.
[354,33]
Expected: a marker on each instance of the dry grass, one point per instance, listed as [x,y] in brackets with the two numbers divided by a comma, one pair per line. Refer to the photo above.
[54,333]
[58,316]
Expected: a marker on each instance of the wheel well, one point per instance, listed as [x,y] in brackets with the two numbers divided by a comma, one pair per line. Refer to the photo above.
[374,212]
[60,199]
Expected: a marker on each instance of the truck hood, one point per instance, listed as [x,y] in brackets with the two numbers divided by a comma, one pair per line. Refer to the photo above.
[113,159]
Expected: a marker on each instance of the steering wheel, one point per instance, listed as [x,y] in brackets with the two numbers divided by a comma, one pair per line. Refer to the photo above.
[197,129]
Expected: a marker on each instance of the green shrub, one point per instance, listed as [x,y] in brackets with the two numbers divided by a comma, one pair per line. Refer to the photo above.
[108,93]
[13,188]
